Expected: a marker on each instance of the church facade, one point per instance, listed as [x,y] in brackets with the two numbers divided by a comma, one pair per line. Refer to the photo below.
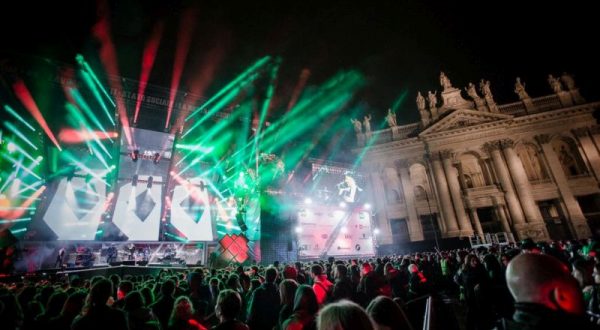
[472,167]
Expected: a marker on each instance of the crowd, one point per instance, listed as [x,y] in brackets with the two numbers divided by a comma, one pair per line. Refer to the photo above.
[525,286]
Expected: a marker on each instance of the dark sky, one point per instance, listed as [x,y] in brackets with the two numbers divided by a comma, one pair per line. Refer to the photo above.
[399,46]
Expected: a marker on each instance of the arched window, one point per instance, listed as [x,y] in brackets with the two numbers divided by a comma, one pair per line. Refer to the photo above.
[532,162]
[569,157]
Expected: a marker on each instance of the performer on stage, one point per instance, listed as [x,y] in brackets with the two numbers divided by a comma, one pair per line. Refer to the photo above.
[60,258]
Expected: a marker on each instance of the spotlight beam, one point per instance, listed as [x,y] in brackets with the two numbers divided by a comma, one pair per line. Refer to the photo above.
[232,84]
[18,117]
[23,94]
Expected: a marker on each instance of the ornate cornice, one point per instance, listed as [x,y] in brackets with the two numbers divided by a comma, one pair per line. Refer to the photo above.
[580,131]
[506,143]
[543,138]
[488,147]
[446,153]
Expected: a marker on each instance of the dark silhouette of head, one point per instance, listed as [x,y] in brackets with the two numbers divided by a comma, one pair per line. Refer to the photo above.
[544,280]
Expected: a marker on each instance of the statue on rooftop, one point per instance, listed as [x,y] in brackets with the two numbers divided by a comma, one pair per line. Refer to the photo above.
[444,81]
[420,101]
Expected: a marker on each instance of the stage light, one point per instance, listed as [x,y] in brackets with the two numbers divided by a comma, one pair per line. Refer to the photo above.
[307,201]
[11,147]
[344,230]
[376,231]
[39,158]
[135,155]
[298,230]
[343,205]
[156,158]
[367,206]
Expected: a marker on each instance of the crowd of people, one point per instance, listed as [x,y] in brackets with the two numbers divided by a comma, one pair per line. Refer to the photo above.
[524,286]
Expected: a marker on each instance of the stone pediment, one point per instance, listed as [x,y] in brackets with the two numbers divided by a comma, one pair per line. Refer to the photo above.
[463,118]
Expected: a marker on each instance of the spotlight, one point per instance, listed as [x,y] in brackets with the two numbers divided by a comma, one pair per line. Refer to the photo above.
[298,229]
[156,158]
[367,206]
[150,181]
[307,201]
[376,231]
[343,205]
[11,147]
[344,230]
[135,155]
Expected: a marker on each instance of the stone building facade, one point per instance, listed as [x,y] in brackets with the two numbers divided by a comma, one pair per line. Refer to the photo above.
[472,167]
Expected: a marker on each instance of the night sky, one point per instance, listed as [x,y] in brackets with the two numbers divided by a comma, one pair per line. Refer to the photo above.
[399,46]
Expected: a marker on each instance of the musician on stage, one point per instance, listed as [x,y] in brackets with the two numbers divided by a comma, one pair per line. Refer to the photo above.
[60,258]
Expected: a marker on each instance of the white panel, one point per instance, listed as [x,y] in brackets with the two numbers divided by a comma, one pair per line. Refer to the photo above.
[125,217]
[182,221]
[61,215]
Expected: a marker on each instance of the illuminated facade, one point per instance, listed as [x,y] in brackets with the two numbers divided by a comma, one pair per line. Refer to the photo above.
[473,167]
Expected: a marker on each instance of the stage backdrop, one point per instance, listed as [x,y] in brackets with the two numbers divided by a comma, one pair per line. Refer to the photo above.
[327,230]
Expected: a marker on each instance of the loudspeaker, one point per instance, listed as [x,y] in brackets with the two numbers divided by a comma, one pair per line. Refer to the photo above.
[142,263]
[116,263]
[129,263]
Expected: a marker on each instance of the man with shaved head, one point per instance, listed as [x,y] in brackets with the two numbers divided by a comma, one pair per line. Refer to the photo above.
[546,295]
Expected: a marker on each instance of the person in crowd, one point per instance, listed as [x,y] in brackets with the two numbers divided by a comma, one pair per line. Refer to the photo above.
[305,309]
[137,314]
[53,308]
[264,305]
[582,271]
[125,287]
[387,315]
[287,291]
[321,285]
[342,287]
[182,316]
[227,310]
[97,314]
[70,309]
[546,295]
[164,304]
[344,315]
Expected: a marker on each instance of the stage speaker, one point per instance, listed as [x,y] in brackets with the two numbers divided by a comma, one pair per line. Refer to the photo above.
[129,263]
[142,263]
[116,263]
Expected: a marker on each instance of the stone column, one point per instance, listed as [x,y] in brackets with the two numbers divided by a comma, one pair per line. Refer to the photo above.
[574,213]
[476,222]
[499,208]
[535,228]
[514,207]
[457,200]
[444,195]
[414,222]
[383,223]
[590,151]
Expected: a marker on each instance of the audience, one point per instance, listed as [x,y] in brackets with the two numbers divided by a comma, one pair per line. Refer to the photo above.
[524,286]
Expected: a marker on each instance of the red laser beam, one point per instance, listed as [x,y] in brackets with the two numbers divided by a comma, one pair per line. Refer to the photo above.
[186,26]
[23,94]
[147,63]
[73,136]
[108,56]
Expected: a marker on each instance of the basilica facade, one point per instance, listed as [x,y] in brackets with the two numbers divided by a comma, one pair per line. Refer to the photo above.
[472,167]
